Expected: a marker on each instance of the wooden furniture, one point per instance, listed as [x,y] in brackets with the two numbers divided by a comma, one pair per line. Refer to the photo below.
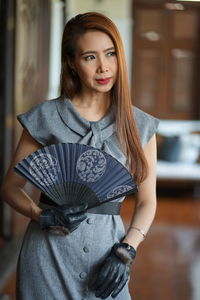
[166,64]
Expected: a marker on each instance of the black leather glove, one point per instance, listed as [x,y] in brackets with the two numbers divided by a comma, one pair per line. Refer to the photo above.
[115,271]
[63,219]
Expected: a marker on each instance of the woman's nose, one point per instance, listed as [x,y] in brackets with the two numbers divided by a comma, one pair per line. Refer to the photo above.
[102,66]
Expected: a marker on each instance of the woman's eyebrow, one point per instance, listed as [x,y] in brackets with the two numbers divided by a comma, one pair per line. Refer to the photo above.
[92,51]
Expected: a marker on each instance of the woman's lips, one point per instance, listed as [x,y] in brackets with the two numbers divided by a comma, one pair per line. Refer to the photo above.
[103,80]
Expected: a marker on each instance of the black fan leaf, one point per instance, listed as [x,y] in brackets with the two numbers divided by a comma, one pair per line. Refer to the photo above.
[72,173]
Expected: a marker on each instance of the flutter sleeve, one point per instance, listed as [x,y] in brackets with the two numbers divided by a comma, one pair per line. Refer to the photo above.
[38,121]
[146,124]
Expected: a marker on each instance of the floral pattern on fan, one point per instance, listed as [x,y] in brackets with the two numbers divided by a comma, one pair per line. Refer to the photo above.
[44,164]
[91,165]
[119,190]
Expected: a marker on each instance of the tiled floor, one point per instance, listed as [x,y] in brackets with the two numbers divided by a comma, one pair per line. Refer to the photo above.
[168,262]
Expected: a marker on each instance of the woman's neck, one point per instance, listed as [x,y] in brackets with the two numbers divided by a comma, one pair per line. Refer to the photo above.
[92,108]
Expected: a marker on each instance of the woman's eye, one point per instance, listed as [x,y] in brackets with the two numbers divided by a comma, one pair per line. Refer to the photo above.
[112,53]
[89,57]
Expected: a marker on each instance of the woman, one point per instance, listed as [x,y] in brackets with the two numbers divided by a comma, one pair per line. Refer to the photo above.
[94,259]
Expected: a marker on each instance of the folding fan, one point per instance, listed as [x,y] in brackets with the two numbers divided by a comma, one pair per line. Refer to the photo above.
[71,173]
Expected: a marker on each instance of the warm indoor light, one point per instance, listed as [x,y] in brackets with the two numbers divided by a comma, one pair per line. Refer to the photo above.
[174,6]
[189,0]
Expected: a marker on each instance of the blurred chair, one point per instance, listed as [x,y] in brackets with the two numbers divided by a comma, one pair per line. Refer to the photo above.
[179,153]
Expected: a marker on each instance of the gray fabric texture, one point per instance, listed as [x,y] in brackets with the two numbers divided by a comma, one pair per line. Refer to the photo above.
[61,268]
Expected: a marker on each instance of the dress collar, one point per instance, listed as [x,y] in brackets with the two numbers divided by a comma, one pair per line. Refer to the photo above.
[72,118]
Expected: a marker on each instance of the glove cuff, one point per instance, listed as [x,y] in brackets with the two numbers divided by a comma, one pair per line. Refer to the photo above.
[125,252]
[45,219]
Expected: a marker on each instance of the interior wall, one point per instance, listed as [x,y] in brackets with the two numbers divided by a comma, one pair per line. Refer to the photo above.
[31,55]
[56,31]
[7,40]
[31,67]
[119,11]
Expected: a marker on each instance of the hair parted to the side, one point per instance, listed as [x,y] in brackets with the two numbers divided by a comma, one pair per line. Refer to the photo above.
[71,86]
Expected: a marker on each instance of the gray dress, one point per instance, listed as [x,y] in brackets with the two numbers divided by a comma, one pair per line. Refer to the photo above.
[61,268]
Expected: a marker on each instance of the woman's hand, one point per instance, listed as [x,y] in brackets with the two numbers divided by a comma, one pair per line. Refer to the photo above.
[115,271]
[63,219]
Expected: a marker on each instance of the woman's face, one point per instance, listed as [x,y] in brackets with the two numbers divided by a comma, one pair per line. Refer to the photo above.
[95,62]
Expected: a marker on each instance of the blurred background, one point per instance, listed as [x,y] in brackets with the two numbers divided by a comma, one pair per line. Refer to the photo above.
[162,45]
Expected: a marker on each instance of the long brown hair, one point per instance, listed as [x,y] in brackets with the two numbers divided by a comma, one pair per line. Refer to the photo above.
[70,85]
